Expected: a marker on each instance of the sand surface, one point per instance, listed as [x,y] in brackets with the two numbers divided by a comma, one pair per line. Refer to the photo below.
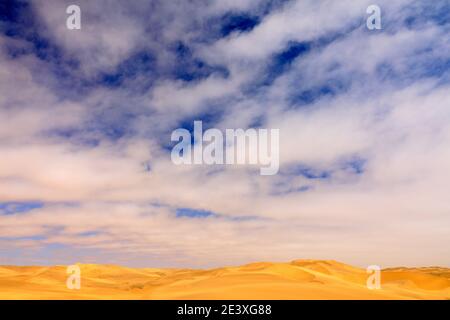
[299,279]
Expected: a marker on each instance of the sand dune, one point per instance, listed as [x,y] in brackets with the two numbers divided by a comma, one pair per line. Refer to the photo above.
[299,279]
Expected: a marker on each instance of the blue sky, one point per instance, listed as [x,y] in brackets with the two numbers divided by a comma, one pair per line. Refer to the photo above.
[87,116]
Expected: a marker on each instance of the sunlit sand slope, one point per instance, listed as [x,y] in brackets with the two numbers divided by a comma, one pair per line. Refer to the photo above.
[300,279]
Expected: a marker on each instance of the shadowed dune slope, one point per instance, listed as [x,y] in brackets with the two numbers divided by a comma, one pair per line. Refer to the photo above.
[299,279]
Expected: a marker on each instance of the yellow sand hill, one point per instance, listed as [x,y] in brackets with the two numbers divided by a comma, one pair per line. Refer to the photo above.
[300,279]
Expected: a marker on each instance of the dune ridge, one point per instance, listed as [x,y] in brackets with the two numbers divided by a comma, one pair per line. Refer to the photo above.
[298,279]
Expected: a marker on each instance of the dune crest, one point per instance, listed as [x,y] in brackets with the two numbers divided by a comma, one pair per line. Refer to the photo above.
[299,279]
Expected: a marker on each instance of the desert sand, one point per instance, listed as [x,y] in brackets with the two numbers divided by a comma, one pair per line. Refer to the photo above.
[299,279]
